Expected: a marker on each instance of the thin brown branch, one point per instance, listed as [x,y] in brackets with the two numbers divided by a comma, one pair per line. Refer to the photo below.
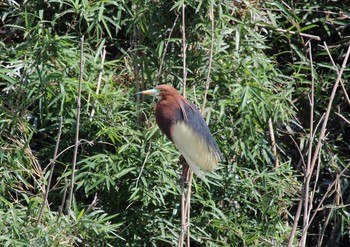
[298,148]
[326,12]
[312,100]
[320,239]
[329,107]
[321,139]
[344,91]
[289,32]
[337,70]
[308,166]
[82,141]
[295,223]
[312,194]
[342,117]
[71,187]
[52,163]
[188,206]
[92,205]
[183,214]
[212,35]
[159,74]
[143,165]
[60,208]
[333,207]
[139,83]
[327,193]
[184,47]
[184,74]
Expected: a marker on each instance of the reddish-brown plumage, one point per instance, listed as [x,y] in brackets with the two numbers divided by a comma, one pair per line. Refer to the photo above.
[184,125]
[168,107]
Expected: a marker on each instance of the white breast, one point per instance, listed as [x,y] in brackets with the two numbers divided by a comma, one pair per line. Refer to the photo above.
[194,149]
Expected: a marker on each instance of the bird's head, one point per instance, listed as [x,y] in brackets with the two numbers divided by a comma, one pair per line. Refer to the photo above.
[161,92]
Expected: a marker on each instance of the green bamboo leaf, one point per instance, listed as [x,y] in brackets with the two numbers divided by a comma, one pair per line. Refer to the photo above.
[125,171]
[81,214]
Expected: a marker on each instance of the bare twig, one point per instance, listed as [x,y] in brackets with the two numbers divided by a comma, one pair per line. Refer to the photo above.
[92,205]
[60,208]
[323,129]
[312,194]
[183,213]
[99,81]
[327,193]
[52,163]
[188,205]
[344,91]
[159,74]
[184,48]
[337,70]
[325,12]
[319,146]
[298,148]
[184,75]
[143,165]
[136,66]
[295,223]
[308,166]
[290,32]
[333,207]
[81,141]
[212,36]
[320,239]
[342,117]
[71,189]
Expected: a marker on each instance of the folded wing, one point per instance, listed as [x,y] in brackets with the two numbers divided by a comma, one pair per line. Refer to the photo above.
[194,140]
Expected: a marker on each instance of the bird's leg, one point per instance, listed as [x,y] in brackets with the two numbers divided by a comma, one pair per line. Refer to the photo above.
[184,176]
[185,169]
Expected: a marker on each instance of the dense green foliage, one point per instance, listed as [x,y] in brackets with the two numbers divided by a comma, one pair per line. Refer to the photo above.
[127,189]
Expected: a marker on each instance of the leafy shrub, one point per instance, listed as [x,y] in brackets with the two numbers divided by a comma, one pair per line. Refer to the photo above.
[126,184]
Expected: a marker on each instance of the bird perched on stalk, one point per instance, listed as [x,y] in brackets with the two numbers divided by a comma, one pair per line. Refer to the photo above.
[184,125]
